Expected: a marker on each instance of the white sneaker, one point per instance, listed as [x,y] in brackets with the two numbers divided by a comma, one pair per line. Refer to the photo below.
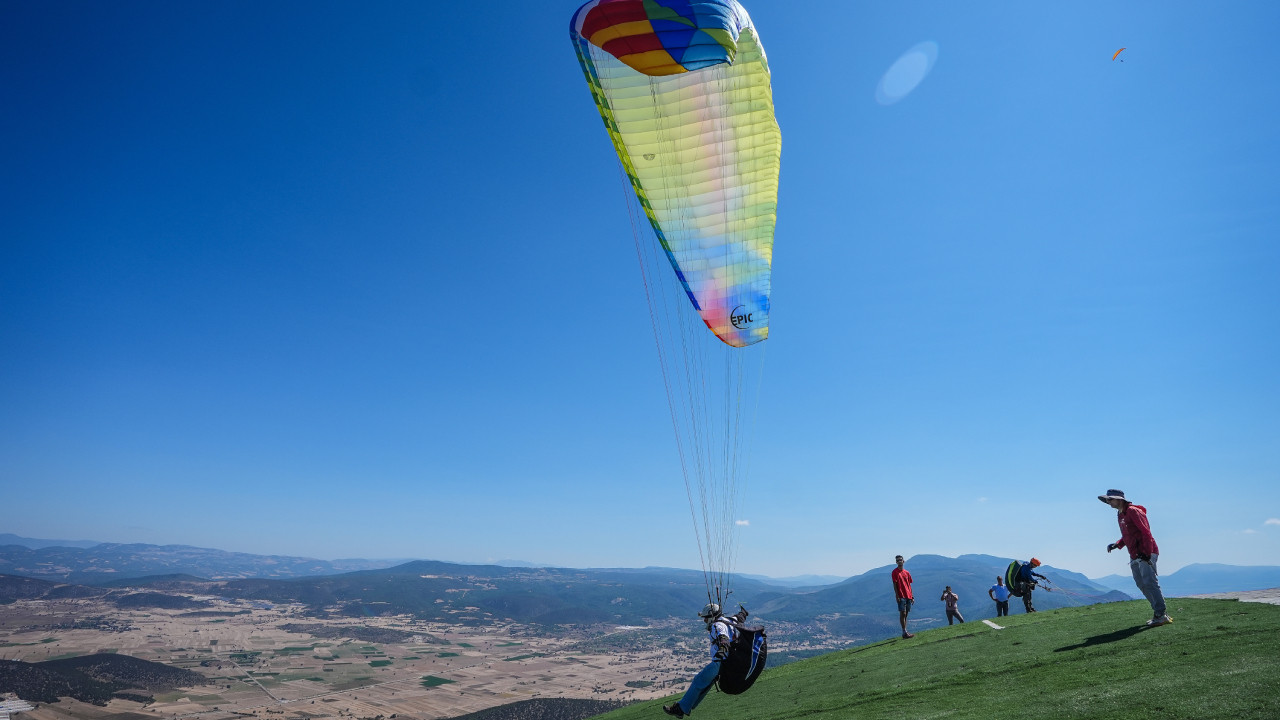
[1158,621]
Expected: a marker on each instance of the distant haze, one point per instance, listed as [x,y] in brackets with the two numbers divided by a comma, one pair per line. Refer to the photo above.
[34,557]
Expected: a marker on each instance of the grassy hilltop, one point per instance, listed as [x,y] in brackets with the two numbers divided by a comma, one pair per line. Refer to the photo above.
[1220,659]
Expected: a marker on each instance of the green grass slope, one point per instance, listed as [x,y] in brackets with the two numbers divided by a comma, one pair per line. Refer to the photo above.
[1219,659]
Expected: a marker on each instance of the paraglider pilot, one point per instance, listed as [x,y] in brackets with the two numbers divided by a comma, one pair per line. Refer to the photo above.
[722,636]
[1025,579]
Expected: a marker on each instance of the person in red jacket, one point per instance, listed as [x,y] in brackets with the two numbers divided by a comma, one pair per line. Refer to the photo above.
[902,591]
[1135,535]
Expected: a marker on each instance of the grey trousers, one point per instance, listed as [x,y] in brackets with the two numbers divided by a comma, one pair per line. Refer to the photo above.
[1148,581]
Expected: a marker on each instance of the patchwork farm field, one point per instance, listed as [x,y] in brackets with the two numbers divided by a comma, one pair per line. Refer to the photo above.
[271,661]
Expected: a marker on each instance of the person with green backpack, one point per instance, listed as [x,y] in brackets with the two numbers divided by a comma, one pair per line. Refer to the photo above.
[1027,582]
[1021,578]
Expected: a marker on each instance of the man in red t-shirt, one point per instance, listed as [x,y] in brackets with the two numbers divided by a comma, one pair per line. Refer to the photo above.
[902,591]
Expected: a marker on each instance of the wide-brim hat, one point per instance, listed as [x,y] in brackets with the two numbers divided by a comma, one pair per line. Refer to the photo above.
[1113,495]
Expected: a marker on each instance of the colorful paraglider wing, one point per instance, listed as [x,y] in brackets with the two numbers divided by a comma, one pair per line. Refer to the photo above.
[1113,57]
[683,88]
[661,39]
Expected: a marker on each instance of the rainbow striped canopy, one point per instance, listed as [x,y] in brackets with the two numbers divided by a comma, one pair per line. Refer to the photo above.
[684,90]
[662,38]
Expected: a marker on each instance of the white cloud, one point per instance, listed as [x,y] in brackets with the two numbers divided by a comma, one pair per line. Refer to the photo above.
[1272,521]
[1250,531]
[982,499]
[741,522]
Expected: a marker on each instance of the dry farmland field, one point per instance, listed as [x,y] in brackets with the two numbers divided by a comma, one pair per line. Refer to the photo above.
[271,661]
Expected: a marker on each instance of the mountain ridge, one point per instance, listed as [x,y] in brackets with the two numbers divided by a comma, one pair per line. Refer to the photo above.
[858,610]
[83,561]
[1203,579]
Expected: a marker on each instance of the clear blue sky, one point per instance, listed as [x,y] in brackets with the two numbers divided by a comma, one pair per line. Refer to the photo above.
[344,279]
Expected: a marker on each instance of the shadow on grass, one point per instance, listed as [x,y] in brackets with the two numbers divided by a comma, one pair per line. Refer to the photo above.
[1104,639]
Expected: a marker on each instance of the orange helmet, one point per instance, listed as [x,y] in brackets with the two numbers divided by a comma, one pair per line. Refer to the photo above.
[1035,562]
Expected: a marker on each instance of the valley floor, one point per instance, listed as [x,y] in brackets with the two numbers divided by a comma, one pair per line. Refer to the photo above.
[1271,596]
[258,668]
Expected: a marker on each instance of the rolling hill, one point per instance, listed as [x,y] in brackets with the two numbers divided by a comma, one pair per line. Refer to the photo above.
[855,611]
[35,543]
[110,561]
[1217,660]
[95,678]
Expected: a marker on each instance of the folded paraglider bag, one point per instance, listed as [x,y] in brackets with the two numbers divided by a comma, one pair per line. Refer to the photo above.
[1016,587]
[745,661]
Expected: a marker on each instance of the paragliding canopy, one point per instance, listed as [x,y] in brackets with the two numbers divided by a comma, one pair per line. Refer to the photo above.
[657,39]
[684,90]
[683,87]
[1113,57]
